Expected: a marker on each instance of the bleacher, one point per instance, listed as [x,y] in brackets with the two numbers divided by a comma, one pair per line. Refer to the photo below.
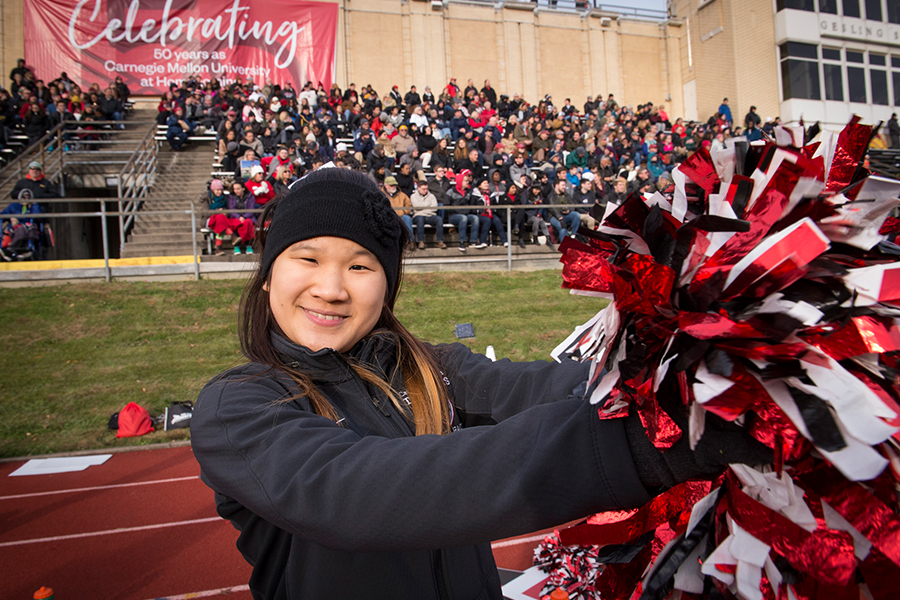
[885,162]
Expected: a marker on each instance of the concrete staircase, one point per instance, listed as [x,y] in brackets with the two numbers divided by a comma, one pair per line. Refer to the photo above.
[181,177]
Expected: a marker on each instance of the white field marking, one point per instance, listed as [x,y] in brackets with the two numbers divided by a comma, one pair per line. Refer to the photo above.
[207,593]
[519,541]
[75,536]
[97,487]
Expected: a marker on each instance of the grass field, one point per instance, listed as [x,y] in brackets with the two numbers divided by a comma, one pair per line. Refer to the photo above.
[73,355]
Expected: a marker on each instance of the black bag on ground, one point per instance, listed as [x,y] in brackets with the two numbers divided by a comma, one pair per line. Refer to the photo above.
[178,415]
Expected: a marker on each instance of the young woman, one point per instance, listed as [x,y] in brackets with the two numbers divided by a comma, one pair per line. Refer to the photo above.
[348,452]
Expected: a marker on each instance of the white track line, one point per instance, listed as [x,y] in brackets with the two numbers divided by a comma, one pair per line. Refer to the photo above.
[97,487]
[110,532]
[207,593]
[519,541]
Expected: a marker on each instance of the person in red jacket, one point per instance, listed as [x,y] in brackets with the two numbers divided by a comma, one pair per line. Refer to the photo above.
[261,189]
[270,164]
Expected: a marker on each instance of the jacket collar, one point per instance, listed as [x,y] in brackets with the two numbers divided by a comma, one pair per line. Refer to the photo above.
[377,350]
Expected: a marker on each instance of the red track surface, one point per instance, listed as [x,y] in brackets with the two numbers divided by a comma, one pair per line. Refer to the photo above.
[182,548]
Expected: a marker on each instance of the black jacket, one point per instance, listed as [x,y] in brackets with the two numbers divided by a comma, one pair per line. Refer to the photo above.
[365,509]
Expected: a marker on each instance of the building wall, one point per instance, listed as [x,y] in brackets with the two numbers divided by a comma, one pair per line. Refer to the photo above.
[520,49]
[731,54]
[12,36]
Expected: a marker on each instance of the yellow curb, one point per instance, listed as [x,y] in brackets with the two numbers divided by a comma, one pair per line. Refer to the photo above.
[46,265]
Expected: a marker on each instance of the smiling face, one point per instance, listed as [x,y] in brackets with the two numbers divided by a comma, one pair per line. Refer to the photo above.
[326,292]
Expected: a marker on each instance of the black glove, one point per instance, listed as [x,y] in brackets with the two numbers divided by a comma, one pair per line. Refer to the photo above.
[722,443]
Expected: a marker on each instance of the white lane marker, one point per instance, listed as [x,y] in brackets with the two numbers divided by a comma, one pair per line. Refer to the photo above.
[207,593]
[97,487]
[75,536]
[519,541]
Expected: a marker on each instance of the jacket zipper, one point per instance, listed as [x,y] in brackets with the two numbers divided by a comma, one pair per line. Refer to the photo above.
[438,565]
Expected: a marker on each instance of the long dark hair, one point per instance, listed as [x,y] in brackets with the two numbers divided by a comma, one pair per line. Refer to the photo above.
[428,409]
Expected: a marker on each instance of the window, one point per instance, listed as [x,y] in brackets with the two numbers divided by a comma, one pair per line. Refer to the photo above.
[873,10]
[828,6]
[878,79]
[808,5]
[856,84]
[834,82]
[895,62]
[896,75]
[893,11]
[831,54]
[877,59]
[851,8]
[855,57]
[798,50]
[800,79]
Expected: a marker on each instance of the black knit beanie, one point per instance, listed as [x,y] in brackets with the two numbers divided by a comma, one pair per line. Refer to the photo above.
[339,203]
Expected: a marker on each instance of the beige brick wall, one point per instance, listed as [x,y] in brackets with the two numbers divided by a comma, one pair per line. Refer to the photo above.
[12,38]
[732,44]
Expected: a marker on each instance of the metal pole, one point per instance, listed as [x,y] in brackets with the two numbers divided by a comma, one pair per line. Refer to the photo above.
[105,239]
[62,172]
[121,226]
[509,238]
[194,241]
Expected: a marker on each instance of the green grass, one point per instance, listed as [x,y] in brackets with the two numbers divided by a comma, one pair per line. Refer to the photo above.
[73,355]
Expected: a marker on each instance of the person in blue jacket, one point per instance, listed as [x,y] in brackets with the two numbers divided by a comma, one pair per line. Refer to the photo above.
[725,111]
[358,461]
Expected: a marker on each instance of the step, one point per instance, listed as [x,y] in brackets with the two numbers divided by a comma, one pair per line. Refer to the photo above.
[156,250]
[163,238]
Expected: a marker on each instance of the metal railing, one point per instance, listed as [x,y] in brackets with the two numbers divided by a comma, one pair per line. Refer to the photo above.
[199,215]
[44,151]
[134,181]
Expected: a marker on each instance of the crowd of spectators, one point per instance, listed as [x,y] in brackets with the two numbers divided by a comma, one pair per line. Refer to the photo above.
[457,146]
[35,107]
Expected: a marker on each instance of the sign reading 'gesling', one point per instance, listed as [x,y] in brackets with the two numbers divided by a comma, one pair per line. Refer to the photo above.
[154,43]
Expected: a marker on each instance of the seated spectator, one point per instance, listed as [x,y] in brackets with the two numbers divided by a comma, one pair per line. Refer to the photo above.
[262,190]
[402,141]
[643,176]
[518,168]
[34,185]
[534,217]
[241,222]
[281,159]
[282,181]
[488,218]
[111,108]
[584,195]
[464,220]
[178,129]
[474,162]
[425,211]
[577,158]
[218,222]
[563,219]
[36,122]
[251,142]
[441,156]
[399,200]
[406,178]
[426,145]
[618,194]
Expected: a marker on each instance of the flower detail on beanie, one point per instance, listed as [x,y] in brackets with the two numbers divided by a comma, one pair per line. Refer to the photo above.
[383,222]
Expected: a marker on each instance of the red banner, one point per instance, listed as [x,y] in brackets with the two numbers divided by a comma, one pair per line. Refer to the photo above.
[154,43]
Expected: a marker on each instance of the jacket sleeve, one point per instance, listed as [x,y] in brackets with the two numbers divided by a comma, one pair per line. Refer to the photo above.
[500,389]
[313,478]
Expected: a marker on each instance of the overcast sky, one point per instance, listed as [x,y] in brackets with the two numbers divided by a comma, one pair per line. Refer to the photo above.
[654,4]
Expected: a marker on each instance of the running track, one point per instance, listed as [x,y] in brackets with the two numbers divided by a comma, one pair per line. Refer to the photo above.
[139,527]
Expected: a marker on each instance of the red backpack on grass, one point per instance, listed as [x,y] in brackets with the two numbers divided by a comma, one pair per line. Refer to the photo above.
[134,420]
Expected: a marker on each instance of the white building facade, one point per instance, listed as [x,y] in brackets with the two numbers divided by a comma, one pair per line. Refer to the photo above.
[838,58]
